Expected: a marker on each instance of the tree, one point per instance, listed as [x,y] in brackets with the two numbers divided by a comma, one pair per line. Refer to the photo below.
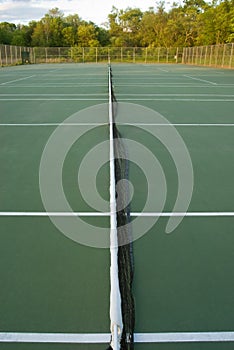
[48,31]
[69,37]
[130,21]
[22,36]
[124,26]
[103,36]
[223,21]
[115,30]
[69,33]
[87,35]
[153,27]
[6,32]
[174,31]
[195,22]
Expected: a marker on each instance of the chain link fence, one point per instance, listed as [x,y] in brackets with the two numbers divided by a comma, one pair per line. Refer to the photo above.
[103,54]
[13,55]
[214,56]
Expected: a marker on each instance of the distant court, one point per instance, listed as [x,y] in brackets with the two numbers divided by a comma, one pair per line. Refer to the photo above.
[54,288]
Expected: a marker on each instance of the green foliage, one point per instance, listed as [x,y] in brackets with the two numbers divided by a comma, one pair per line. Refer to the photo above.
[124,27]
[6,32]
[87,35]
[103,36]
[195,22]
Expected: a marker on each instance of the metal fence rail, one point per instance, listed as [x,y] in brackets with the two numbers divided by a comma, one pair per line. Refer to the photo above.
[213,56]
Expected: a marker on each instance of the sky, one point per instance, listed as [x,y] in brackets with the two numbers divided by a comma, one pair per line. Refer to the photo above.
[22,11]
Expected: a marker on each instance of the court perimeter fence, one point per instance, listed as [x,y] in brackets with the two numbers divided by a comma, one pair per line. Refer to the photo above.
[213,56]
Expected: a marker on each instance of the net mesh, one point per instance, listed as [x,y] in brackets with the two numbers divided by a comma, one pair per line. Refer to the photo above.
[125,249]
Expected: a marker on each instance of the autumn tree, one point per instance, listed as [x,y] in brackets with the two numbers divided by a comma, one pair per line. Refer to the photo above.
[87,35]
[69,32]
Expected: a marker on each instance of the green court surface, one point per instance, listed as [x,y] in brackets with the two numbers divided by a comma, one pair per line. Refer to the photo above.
[183,282]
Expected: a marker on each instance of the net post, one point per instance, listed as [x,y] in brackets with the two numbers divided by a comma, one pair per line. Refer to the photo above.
[116,345]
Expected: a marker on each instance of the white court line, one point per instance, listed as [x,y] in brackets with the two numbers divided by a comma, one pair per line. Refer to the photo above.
[59,214]
[149,84]
[163,70]
[126,94]
[184,337]
[119,123]
[168,85]
[87,94]
[177,124]
[171,95]
[92,338]
[175,85]
[178,99]
[51,124]
[54,86]
[179,214]
[133,214]
[53,99]
[13,81]
[205,81]
[120,99]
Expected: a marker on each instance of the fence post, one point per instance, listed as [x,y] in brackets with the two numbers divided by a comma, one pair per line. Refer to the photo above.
[177,53]
[83,54]
[96,55]
[188,54]
[134,55]
[192,48]
[158,54]
[146,53]
[183,61]
[211,55]
[205,56]
[1,55]
[16,54]
[34,54]
[11,54]
[230,61]
[223,58]
[6,54]
[196,55]
[201,55]
[216,54]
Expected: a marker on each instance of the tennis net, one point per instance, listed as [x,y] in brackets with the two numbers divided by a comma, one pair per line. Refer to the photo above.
[122,314]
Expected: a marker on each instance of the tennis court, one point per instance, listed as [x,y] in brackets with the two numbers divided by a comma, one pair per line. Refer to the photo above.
[55,290]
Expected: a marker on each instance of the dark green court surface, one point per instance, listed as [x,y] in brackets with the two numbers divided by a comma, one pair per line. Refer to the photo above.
[183,280]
